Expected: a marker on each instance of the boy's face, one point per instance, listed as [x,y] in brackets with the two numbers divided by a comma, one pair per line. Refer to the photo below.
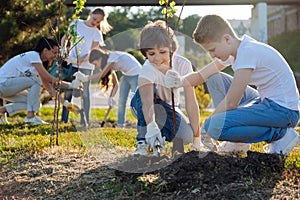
[159,56]
[220,50]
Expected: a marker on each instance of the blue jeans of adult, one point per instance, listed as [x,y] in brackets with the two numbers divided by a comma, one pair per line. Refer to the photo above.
[85,98]
[127,83]
[164,119]
[255,119]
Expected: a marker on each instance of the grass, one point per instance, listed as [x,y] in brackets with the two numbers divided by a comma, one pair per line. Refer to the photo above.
[18,139]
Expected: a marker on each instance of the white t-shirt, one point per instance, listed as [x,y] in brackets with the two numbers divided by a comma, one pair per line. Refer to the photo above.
[20,65]
[271,75]
[124,62]
[180,64]
[82,48]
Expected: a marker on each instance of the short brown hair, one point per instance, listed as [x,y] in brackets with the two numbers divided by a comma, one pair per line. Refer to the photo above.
[156,35]
[211,28]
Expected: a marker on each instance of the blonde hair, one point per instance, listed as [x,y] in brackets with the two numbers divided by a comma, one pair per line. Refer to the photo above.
[211,28]
[156,35]
[104,26]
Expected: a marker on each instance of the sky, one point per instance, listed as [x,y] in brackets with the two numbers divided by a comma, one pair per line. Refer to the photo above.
[226,11]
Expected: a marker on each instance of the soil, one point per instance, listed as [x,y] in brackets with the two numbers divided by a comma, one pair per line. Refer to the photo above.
[57,174]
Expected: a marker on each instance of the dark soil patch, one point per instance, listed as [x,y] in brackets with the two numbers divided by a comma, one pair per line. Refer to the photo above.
[56,175]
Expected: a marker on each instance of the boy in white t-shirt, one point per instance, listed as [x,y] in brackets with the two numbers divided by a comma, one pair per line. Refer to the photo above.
[243,115]
[152,102]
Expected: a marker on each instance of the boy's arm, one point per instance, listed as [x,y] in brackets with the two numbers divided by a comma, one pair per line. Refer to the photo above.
[197,78]
[236,90]
[192,108]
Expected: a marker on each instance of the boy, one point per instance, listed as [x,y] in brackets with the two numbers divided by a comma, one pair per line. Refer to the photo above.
[241,116]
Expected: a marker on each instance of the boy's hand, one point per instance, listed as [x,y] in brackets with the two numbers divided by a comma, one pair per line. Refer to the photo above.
[81,76]
[196,146]
[173,79]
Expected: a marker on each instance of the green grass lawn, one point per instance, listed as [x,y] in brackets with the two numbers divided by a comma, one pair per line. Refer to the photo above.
[18,139]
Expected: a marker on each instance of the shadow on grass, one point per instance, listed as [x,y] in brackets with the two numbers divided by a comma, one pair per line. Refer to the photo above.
[191,176]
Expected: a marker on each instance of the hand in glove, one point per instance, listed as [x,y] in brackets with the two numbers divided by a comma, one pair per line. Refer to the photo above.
[81,76]
[74,84]
[63,52]
[70,59]
[153,133]
[173,79]
[111,102]
[197,145]
[71,107]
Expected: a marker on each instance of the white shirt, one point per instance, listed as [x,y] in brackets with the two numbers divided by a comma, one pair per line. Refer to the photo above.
[20,65]
[83,47]
[271,75]
[124,62]
[180,64]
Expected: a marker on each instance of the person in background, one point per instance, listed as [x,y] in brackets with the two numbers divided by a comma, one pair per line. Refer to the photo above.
[152,102]
[243,115]
[108,62]
[22,77]
[88,35]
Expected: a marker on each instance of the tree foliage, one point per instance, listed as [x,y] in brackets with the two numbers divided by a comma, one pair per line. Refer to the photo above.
[24,22]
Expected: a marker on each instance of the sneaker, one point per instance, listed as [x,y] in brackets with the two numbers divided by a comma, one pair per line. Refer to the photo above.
[233,147]
[35,120]
[142,148]
[3,118]
[285,144]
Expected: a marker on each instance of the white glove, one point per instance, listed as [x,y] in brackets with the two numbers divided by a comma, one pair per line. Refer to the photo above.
[71,107]
[63,52]
[153,133]
[173,79]
[81,76]
[111,102]
[197,145]
[70,59]
[74,84]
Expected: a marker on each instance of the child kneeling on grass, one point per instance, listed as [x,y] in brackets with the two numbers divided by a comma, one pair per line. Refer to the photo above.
[243,115]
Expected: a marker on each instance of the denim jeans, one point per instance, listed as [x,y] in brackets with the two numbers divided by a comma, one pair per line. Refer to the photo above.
[255,119]
[127,83]
[85,99]
[22,92]
[163,118]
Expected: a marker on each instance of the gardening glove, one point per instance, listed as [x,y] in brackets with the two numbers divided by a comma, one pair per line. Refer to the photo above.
[173,79]
[70,59]
[71,107]
[153,133]
[81,76]
[207,140]
[63,52]
[75,84]
[111,102]
[197,145]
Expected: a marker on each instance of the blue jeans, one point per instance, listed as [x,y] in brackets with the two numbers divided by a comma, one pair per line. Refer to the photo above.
[127,83]
[163,118]
[85,99]
[255,119]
